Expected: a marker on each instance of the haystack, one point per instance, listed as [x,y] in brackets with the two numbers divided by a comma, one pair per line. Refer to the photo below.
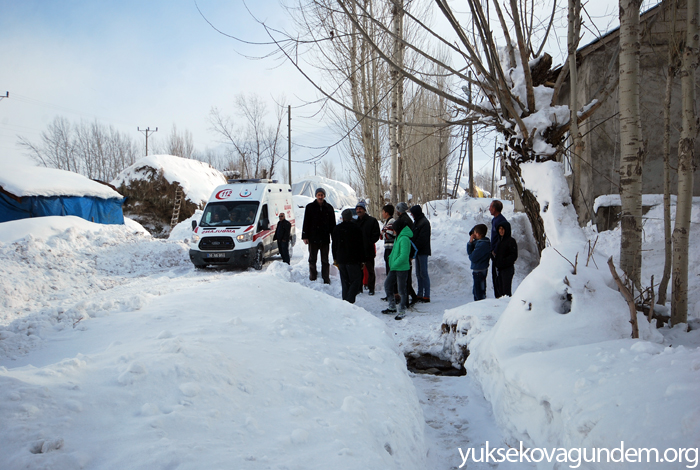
[151,185]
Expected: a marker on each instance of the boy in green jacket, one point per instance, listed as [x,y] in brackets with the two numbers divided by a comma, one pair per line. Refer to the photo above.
[399,265]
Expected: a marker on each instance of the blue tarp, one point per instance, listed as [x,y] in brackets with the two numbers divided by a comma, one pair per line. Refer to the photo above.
[101,211]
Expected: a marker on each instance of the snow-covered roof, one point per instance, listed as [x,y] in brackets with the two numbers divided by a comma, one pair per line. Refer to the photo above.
[338,194]
[197,179]
[27,181]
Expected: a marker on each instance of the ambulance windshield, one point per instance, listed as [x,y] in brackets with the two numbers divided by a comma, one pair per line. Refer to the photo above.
[230,214]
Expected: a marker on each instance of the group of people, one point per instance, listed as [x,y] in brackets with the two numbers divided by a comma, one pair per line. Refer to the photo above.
[501,250]
[354,249]
[405,239]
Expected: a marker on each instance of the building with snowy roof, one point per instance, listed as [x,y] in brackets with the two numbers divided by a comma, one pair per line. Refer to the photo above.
[27,191]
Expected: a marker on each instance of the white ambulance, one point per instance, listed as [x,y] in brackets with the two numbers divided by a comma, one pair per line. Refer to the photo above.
[239,222]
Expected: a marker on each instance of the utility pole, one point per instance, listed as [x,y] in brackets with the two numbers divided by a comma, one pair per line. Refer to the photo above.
[470,147]
[289,142]
[146,131]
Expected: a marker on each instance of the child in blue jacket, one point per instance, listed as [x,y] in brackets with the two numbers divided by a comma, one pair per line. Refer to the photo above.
[479,251]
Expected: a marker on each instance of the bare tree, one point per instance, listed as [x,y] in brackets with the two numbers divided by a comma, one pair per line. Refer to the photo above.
[631,144]
[92,149]
[327,170]
[686,166]
[179,144]
[257,145]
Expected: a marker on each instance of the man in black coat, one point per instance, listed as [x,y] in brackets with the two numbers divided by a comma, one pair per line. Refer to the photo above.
[421,238]
[282,234]
[319,221]
[347,254]
[504,261]
[370,236]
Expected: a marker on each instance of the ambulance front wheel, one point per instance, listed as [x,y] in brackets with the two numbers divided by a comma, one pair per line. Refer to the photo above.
[259,258]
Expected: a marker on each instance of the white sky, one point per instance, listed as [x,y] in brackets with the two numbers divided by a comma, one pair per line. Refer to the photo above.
[150,64]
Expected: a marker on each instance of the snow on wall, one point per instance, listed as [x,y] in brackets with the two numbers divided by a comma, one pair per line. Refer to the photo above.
[197,179]
[24,181]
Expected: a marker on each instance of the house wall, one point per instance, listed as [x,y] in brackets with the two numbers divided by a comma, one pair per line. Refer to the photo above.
[600,169]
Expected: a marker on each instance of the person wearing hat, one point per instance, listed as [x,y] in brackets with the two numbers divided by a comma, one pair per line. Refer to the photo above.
[282,232]
[348,250]
[403,220]
[421,238]
[399,263]
[370,234]
[319,222]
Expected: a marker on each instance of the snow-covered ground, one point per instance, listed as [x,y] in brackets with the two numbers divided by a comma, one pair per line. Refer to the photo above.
[115,353]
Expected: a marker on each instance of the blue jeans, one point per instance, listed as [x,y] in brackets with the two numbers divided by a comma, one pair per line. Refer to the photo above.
[479,289]
[422,276]
[393,280]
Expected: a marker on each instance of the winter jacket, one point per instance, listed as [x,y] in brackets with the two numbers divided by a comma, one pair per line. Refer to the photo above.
[387,233]
[507,251]
[283,230]
[347,244]
[495,237]
[370,234]
[399,258]
[479,252]
[319,221]
[421,234]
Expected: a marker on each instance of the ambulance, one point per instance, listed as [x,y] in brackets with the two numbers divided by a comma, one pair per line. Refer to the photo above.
[239,222]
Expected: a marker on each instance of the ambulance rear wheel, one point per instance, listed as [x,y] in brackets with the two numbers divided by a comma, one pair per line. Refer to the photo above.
[259,258]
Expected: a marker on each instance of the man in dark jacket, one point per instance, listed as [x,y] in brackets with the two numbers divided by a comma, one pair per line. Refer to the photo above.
[403,220]
[282,233]
[506,254]
[347,254]
[421,238]
[495,209]
[319,221]
[370,235]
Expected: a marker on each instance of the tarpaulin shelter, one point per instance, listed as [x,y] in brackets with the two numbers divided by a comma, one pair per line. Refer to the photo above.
[27,191]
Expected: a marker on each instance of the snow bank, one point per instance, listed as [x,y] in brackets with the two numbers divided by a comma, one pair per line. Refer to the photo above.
[338,194]
[558,365]
[290,380]
[24,180]
[197,179]
[55,270]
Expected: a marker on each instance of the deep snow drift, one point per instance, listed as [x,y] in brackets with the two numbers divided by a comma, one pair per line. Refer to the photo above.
[115,353]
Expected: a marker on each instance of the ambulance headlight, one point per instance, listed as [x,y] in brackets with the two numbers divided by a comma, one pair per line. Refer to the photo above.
[245,237]
[195,239]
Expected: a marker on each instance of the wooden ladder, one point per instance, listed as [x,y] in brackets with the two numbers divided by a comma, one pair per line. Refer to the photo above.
[176,207]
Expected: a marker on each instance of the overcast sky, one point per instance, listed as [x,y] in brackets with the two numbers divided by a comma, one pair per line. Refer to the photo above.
[152,64]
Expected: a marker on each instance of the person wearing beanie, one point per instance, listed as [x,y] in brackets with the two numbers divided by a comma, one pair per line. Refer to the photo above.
[421,238]
[348,252]
[399,262]
[319,222]
[403,220]
[370,234]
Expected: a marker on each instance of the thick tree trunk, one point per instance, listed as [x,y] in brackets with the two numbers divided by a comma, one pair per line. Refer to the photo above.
[686,168]
[395,77]
[631,144]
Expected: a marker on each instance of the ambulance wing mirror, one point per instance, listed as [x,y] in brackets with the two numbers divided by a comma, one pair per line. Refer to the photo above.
[194,224]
